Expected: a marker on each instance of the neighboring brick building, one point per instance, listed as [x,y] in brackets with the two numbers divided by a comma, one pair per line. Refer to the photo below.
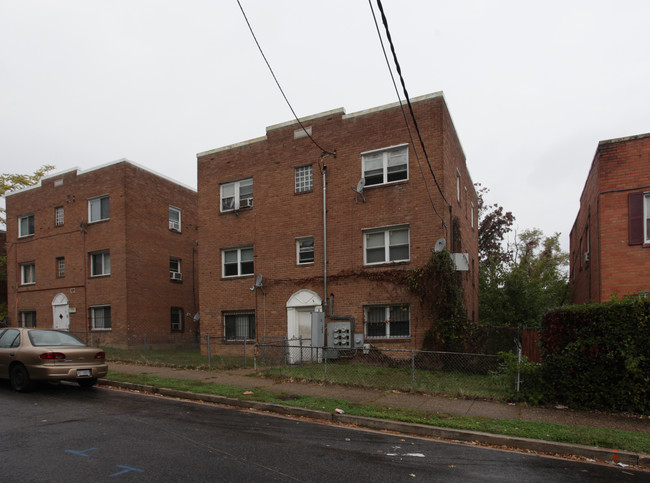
[111,251]
[281,234]
[610,238]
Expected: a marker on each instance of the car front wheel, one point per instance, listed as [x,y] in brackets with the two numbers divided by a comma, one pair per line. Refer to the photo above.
[20,380]
[86,382]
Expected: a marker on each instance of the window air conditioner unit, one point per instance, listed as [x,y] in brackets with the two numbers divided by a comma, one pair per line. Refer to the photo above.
[246,203]
[175,275]
[586,257]
[174,225]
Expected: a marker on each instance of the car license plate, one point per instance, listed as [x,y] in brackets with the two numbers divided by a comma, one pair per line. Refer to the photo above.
[84,373]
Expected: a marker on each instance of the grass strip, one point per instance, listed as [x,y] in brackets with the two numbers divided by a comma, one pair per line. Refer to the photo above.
[584,435]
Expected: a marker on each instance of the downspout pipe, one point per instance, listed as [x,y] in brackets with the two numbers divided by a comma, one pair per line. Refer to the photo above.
[324,237]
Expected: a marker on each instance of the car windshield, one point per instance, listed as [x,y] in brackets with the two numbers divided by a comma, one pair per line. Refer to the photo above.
[42,338]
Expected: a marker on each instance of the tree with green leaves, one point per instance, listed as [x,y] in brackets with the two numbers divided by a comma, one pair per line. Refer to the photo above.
[518,281]
[11,182]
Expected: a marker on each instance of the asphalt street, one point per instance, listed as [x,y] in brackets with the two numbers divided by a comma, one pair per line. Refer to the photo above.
[68,434]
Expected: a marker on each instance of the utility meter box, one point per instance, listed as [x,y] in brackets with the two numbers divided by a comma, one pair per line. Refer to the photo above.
[340,334]
[318,329]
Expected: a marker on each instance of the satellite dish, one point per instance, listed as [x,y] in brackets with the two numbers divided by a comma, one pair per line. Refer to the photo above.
[360,186]
[258,281]
[440,245]
[197,317]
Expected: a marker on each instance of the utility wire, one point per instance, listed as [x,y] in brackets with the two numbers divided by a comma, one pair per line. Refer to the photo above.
[406,95]
[324,151]
[401,105]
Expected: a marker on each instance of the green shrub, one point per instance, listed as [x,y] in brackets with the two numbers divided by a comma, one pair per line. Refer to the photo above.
[597,356]
[531,384]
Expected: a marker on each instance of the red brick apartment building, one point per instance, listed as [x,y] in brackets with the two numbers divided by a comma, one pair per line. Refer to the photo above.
[261,214]
[110,251]
[610,238]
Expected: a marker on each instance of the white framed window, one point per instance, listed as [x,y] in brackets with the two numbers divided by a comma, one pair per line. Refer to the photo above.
[385,165]
[239,325]
[305,250]
[177,319]
[27,318]
[237,195]
[385,245]
[304,178]
[60,267]
[387,321]
[59,216]
[174,218]
[646,217]
[237,262]
[98,209]
[27,273]
[175,269]
[25,225]
[100,317]
[100,263]
[471,214]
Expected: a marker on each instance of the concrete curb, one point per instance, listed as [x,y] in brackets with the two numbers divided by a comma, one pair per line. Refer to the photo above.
[602,454]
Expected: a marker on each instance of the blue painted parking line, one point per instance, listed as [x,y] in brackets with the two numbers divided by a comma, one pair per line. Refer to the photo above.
[126,470]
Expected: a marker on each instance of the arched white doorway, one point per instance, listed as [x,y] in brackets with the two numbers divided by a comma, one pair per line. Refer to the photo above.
[60,312]
[299,308]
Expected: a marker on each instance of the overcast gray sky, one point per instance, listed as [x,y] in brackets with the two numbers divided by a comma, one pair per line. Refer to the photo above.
[531,88]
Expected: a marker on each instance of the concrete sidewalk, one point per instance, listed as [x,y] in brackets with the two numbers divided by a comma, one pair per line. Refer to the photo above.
[247,380]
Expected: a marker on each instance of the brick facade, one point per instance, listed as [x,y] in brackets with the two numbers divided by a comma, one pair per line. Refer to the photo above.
[137,237]
[280,216]
[605,260]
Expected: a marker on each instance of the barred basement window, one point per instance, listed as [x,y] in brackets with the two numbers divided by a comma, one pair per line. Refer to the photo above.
[387,321]
[239,325]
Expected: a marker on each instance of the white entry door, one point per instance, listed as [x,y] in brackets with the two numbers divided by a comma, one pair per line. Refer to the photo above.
[299,309]
[60,312]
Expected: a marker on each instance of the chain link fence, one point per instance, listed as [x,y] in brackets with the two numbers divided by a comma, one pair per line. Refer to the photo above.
[449,373]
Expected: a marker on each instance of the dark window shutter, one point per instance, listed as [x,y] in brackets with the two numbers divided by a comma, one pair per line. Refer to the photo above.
[635,218]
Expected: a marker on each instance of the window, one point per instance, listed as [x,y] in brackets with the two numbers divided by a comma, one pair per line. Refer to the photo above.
[387,321]
[177,319]
[60,267]
[25,225]
[174,219]
[59,217]
[471,214]
[100,317]
[27,318]
[385,166]
[305,250]
[236,195]
[9,338]
[646,217]
[383,246]
[304,179]
[238,261]
[100,264]
[98,209]
[458,186]
[175,269]
[27,273]
[240,325]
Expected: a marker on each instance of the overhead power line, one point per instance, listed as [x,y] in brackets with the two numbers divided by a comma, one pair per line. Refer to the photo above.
[408,101]
[401,105]
[324,151]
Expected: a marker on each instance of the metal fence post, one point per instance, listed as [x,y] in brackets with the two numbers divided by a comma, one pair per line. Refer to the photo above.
[325,359]
[518,381]
[209,355]
[255,358]
[145,346]
[413,370]
[245,340]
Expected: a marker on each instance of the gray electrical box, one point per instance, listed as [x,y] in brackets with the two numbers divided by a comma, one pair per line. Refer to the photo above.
[340,334]
[318,329]
[358,341]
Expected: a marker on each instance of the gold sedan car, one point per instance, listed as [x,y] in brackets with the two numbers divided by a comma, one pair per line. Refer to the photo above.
[28,355]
